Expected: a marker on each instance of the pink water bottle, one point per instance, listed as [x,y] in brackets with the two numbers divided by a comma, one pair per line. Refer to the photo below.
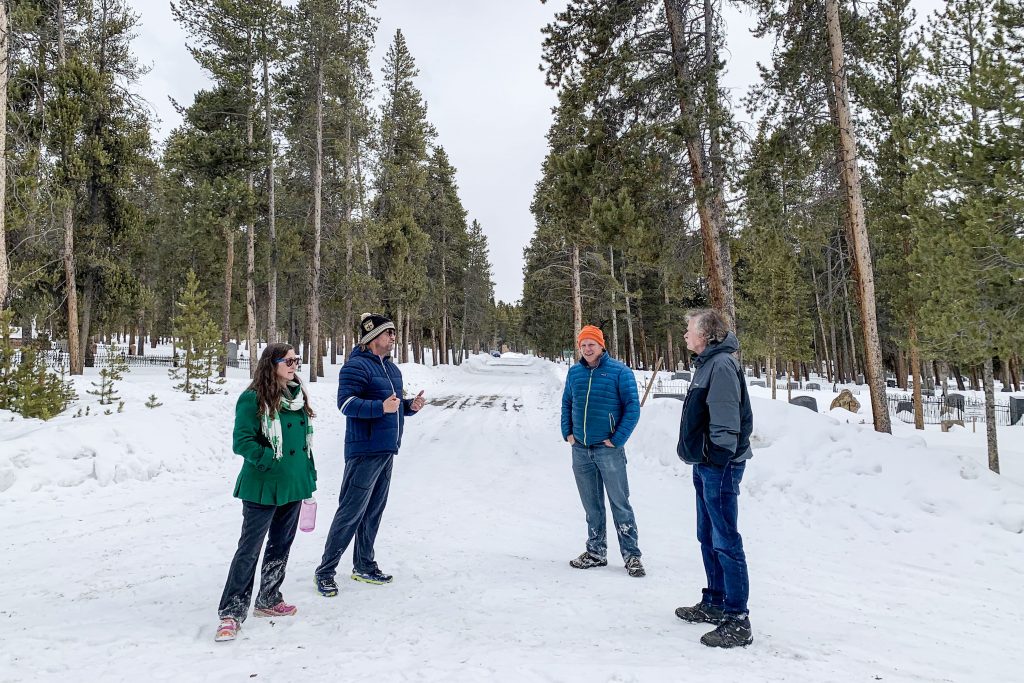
[307,515]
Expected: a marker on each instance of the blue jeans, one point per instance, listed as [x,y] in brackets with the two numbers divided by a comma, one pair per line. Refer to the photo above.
[599,469]
[725,564]
[364,493]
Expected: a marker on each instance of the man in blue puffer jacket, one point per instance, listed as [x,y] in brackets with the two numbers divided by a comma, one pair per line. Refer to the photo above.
[369,395]
[600,408]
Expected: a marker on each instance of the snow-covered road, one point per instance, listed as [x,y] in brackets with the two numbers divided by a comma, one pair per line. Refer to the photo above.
[872,558]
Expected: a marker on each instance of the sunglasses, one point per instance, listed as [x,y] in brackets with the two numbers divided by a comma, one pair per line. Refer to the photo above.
[290,362]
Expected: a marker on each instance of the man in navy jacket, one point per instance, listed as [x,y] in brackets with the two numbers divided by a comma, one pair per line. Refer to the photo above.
[369,395]
[600,408]
[714,437]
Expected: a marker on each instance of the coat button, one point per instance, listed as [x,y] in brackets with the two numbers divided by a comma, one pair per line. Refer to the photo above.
[303,448]
[291,452]
[289,425]
[302,423]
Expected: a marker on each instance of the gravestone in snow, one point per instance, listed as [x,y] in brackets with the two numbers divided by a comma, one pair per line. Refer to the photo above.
[805,402]
[681,375]
[232,354]
[758,383]
[813,386]
[1016,410]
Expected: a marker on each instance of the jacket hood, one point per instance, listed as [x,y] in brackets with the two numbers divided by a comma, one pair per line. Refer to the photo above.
[728,345]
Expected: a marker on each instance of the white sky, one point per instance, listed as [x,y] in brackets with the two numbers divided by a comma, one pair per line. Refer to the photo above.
[486,97]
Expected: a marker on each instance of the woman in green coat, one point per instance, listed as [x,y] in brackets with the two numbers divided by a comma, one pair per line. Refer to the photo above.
[273,434]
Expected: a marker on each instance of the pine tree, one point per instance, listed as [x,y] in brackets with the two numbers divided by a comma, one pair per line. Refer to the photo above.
[114,371]
[198,336]
[27,386]
[968,252]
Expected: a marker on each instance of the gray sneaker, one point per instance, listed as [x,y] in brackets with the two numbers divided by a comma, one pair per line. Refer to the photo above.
[635,567]
[701,613]
[732,632]
[586,561]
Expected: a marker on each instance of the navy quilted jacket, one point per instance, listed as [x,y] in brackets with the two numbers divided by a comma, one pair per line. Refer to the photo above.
[716,421]
[600,402]
[364,382]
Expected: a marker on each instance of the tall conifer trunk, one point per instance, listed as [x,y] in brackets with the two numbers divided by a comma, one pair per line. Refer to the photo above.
[271,208]
[990,415]
[250,242]
[314,268]
[710,198]
[577,301]
[68,222]
[4,68]
[860,246]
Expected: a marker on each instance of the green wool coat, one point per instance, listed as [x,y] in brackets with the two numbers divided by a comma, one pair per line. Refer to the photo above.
[263,479]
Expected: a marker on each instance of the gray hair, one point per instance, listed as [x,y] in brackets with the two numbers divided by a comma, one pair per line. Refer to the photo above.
[711,324]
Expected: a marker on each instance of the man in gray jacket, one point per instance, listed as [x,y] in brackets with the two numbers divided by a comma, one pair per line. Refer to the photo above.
[714,437]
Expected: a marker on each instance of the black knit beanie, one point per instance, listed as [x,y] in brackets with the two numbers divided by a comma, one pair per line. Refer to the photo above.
[371,325]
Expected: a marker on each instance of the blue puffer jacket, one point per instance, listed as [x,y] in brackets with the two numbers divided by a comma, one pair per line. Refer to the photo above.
[600,402]
[365,381]
[717,421]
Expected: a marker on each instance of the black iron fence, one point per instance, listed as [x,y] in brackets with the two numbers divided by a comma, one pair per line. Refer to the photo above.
[59,359]
[937,409]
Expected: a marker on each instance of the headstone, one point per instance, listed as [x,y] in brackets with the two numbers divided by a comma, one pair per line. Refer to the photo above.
[681,397]
[792,385]
[846,401]
[891,383]
[929,384]
[680,366]
[1016,410]
[805,402]
[860,379]
[904,406]
[90,355]
[955,401]
[945,425]
[232,348]
[682,375]
[758,383]
[813,386]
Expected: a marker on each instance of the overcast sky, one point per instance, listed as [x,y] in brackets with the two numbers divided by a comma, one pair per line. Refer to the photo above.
[486,97]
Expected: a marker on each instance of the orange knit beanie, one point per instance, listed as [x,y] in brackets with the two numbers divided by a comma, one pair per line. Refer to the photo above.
[591,332]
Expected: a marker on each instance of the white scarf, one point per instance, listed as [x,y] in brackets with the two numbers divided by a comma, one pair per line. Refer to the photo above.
[271,425]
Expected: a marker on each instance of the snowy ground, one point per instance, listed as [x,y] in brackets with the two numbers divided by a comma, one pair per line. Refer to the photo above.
[872,557]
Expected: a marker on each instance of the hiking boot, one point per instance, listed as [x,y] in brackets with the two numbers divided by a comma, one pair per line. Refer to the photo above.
[281,609]
[635,567]
[374,576]
[227,630]
[586,561]
[732,632]
[326,587]
[701,613]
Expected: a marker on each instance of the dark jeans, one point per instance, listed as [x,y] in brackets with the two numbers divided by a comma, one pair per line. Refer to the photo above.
[281,521]
[600,469]
[718,489]
[364,493]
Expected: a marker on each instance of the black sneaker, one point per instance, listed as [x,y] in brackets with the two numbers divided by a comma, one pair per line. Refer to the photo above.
[635,567]
[732,632]
[374,576]
[586,561]
[701,613]
[326,587]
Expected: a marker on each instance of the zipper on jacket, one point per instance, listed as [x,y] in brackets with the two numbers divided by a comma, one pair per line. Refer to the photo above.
[587,406]
[398,420]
